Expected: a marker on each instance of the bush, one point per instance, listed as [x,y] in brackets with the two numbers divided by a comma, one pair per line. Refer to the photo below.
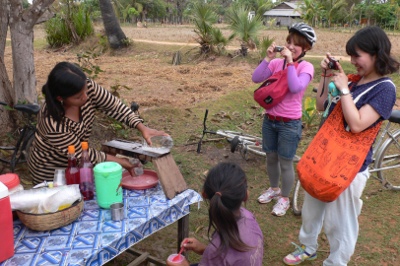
[68,27]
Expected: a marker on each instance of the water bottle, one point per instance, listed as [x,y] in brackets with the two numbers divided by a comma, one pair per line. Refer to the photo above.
[86,173]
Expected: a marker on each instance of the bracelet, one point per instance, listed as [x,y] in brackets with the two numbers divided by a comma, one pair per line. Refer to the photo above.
[327,76]
[290,64]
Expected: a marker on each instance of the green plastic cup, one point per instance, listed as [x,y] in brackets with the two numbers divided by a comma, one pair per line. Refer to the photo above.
[107,180]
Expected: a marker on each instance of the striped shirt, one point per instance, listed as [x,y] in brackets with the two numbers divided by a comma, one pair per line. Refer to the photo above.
[50,146]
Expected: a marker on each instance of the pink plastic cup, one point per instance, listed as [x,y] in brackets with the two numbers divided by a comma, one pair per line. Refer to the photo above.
[175,261]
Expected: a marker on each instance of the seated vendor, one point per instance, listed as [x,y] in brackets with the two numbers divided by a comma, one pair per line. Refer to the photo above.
[67,116]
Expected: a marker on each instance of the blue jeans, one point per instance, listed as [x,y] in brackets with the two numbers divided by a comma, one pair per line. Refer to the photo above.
[281,137]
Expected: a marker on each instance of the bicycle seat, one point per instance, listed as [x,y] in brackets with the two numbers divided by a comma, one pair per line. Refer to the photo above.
[395,116]
[31,109]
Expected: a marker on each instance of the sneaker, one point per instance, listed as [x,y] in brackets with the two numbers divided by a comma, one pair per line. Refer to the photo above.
[281,206]
[269,195]
[298,256]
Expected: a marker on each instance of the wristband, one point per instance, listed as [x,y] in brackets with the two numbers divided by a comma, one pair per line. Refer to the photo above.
[327,76]
[290,64]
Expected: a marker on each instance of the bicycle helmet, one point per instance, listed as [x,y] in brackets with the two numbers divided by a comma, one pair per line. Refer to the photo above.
[305,30]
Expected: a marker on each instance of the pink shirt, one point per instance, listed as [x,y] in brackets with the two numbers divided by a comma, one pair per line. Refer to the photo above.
[298,80]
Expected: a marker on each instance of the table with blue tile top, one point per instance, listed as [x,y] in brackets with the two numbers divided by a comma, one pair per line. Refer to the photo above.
[94,239]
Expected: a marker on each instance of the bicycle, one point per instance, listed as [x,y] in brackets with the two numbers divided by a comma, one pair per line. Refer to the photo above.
[20,152]
[240,141]
[385,166]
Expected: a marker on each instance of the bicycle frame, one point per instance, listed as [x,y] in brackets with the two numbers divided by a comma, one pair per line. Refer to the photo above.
[235,138]
[20,150]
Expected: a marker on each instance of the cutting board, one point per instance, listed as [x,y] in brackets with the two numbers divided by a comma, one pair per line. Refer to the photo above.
[170,176]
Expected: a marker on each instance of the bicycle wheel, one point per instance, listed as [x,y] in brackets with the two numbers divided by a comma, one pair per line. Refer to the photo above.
[298,198]
[387,163]
[26,146]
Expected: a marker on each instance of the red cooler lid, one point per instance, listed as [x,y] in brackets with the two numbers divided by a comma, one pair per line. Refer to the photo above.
[11,180]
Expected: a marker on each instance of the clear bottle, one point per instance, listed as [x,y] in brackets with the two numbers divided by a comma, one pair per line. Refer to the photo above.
[86,173]
[72,171]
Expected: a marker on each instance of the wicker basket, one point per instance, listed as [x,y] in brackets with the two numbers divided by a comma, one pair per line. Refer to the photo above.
[50,221]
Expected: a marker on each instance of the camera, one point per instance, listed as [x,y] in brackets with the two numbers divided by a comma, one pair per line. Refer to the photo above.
[278,48]
[333,63]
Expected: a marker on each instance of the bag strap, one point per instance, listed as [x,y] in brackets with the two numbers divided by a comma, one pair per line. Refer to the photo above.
[364,92]
[370,88]
[295,63]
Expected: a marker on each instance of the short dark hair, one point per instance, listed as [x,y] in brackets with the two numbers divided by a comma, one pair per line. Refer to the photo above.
[225,189]
[374,41]
[65,79]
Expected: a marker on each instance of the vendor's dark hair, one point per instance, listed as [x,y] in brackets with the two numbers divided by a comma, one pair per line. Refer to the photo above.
[374,41]
[225,189]
[65,79]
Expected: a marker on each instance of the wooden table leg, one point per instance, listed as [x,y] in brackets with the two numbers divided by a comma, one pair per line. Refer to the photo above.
[183,230]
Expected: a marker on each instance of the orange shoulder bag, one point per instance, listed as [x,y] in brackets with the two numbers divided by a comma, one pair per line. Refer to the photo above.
[334,156]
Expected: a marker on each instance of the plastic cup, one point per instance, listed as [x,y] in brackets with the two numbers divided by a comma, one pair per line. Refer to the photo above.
[176,261]
[59,177]
[137,166]
[117,211]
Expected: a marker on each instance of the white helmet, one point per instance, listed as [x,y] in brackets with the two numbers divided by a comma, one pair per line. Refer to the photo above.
[304,30]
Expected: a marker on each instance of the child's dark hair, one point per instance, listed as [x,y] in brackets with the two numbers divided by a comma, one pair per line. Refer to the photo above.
[225,189]
[374,41]
[65,79]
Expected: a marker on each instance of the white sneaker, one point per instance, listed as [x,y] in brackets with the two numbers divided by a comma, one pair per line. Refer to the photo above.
[269,195]
[281,207]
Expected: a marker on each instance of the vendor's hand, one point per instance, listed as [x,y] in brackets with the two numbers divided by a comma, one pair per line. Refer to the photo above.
[124,162]
[147,133]
[340,78]
[193,244]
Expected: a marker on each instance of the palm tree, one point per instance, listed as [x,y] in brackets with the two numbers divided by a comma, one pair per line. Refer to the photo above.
[243,27]
[116,37]
[310,11]
[208,37]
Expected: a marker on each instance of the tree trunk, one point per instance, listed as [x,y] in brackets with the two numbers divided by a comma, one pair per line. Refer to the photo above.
[115,35]
[21,28]
[5,83]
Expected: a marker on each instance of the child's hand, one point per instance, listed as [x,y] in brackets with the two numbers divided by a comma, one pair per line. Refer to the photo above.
[193,244]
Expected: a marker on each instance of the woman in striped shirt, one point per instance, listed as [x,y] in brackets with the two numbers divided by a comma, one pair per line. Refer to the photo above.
[67,118]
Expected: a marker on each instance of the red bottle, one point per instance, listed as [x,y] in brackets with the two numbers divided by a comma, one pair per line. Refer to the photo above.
[72,171]
[86,174]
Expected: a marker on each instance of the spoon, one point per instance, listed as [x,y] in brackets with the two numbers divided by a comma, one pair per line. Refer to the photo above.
[178,256]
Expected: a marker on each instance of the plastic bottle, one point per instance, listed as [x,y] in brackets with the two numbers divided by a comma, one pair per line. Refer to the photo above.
[86,173]
[6,221]
[163,142]
[72,171]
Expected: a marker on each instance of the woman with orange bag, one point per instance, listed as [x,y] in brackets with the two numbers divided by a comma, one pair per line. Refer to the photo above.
[364,101]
